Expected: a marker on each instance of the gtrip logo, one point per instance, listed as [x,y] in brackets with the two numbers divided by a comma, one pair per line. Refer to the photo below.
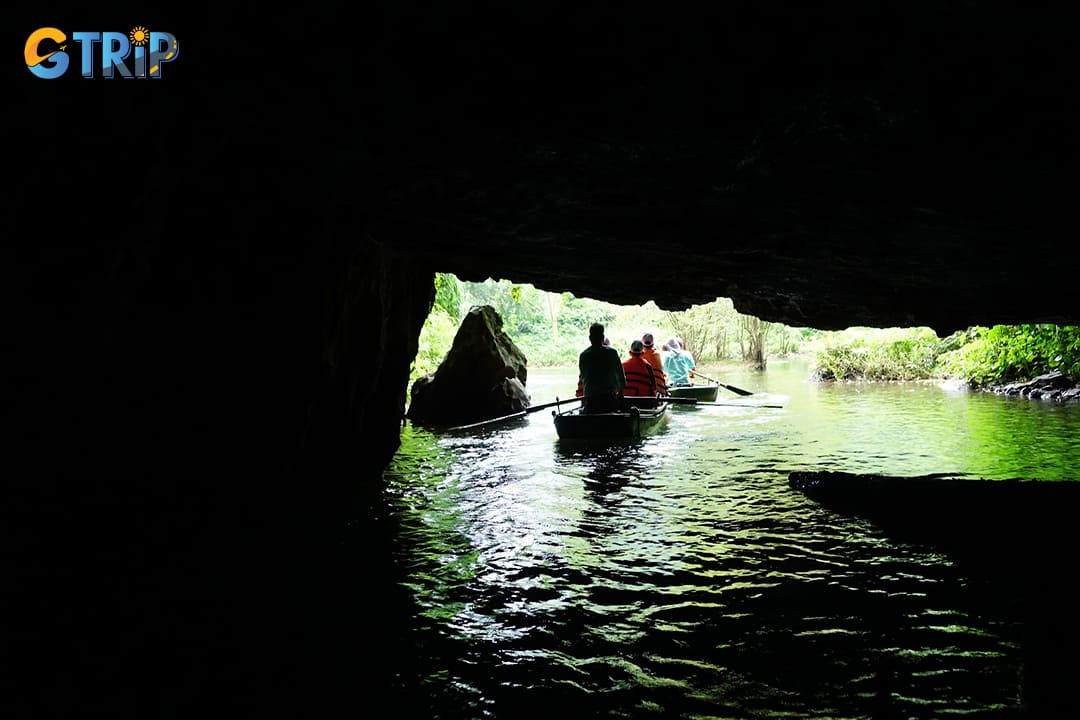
[47,53]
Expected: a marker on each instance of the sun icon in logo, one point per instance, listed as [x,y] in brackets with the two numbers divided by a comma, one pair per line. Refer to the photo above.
[139,35]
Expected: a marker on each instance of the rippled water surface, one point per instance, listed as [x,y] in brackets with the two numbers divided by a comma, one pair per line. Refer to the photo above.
[682,578]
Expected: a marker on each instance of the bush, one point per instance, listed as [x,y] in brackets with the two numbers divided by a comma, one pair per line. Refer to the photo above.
[1004,353]
[871,354]
[980,356]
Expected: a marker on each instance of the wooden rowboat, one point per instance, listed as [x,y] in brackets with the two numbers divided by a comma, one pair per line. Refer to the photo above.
[701,392]
[630,424]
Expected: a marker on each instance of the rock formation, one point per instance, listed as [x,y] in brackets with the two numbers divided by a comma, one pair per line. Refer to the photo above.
[482,377]
[1050,386]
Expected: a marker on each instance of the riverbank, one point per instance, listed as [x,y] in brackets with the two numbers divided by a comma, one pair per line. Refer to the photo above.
[1051,386]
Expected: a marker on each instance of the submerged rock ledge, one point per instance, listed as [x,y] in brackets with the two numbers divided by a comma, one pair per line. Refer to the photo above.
[990,522]
[1016,538]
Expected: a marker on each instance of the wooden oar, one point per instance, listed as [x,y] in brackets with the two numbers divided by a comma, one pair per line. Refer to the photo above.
[519,414]
[732,388]
[692,401]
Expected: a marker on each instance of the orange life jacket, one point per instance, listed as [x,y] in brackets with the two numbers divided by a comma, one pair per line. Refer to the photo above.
[653,358]
[640,377]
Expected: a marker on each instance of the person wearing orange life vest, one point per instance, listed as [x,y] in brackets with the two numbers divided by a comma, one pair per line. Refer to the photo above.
[652,357]
[640,376]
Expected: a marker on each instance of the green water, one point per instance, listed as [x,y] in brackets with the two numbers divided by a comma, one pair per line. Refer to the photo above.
[682,577]
[891,428]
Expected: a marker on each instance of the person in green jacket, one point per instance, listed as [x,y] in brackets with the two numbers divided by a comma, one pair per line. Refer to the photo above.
[601,371]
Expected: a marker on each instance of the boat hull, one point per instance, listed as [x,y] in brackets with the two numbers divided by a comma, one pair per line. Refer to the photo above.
[701,393]
[630,425]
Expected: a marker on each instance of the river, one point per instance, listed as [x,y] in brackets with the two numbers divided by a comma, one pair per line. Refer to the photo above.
[681,577]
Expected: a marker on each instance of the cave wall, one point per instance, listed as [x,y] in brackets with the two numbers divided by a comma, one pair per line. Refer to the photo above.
[207,351]
[213,283]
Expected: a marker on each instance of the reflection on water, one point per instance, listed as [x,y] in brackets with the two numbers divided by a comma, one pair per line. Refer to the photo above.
[681,577]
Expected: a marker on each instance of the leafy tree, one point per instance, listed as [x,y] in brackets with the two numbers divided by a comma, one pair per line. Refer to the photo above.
[554,304]
[784,340]
[578,313]
[448,295]
[706,329]
[756,332]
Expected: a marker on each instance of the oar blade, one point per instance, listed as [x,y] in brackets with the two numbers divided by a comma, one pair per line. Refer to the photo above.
[732,388]
[736,390]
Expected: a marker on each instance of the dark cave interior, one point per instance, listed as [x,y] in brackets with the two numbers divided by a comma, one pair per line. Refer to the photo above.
[215,281]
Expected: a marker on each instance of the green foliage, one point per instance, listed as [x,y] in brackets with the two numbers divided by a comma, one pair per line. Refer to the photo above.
[980,356]
[709,330]
[1002,353]
[628,323]
[552,329]
[436,338]
[839,362]
[578,313]
[448,295]
[522,308]
[756,333]
[548,352]
[784,340]
[878,354]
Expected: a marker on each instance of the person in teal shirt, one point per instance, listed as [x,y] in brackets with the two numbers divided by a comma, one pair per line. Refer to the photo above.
[601,371]
[689,356]
[677,363]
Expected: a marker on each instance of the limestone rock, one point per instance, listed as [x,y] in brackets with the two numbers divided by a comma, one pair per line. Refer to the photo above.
[482,377]
[1051,386]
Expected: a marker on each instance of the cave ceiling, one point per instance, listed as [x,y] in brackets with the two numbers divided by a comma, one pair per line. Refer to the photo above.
[822,168]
